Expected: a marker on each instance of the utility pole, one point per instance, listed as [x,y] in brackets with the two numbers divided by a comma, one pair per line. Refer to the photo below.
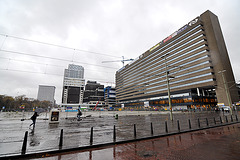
[168,87]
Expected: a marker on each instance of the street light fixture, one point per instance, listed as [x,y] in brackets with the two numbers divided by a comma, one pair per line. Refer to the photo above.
[226,90]
[168,86]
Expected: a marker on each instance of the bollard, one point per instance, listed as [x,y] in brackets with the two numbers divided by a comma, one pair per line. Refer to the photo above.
[91,136]
[61,138]
[114,133]
[189,123]
[231,118]
[207,121]
[134,129]
[166,128]
[214,120]
[220,119]
[24,146]
[226,119]
[178,125]
[198,123]
[236,118]
[151,129]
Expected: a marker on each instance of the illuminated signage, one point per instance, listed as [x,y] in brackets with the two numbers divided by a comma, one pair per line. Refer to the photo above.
[182,29]
[154,47]
[195,20]
[55,116]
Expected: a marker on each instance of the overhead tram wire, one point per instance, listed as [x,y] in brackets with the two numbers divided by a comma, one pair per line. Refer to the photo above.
[11,59]
[60,46]
[59,59]
[44,73]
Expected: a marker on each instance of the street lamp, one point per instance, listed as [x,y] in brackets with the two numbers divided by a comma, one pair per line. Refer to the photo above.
[168,86]
[226,90]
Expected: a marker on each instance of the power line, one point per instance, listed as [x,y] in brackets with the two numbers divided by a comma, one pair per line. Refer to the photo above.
[15,70]
[47,64]
[53,58]
[56,45]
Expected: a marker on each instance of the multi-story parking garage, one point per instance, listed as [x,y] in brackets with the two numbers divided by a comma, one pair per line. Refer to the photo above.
[192,64]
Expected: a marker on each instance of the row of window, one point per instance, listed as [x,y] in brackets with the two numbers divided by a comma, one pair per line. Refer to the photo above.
[146,69]
[156,53]
[187,55]
[162,80]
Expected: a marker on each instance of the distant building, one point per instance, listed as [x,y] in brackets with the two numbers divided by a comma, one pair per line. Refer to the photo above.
[238,88]
[94,93]
[109,96]
[73,85]
[46,93]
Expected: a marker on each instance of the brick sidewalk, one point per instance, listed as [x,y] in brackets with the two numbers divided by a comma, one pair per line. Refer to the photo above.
[222,143]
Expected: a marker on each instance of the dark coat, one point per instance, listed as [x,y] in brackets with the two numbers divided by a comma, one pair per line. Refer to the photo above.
[34,117]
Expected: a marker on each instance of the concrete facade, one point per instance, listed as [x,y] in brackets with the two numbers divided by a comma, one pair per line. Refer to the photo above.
[94,93]
[220,59]
[73,85]
[192,58]
[46,93]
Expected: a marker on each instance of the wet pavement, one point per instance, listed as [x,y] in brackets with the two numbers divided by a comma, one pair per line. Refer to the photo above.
[221,143]
[45,137]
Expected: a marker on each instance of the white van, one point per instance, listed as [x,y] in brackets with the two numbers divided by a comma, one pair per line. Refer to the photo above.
[225,108]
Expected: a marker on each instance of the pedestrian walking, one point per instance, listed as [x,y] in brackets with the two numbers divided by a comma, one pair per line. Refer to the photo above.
[33,118]
[79,115]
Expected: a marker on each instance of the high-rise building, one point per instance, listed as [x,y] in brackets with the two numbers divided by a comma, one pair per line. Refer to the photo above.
[73,85]
[192,64]
[46,93]
[94,93]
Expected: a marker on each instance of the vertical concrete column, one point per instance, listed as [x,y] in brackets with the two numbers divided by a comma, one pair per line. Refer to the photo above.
[198,92]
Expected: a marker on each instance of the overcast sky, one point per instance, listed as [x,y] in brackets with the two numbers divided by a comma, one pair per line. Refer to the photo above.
[87,32]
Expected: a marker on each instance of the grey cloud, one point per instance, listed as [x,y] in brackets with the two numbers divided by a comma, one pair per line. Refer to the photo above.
[118,28]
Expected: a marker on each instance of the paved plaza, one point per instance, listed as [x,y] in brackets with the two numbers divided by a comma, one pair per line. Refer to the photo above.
[45,137]
[221,143]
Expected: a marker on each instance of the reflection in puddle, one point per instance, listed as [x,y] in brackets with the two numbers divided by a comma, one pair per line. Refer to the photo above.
[33,139]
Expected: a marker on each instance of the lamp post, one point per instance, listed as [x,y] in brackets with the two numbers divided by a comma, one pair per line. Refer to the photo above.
[226,90]
[168,87]
[169,96]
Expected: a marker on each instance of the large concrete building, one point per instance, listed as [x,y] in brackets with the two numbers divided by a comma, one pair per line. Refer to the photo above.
[73,85]
[46,93]
[192,63]
[94,94]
